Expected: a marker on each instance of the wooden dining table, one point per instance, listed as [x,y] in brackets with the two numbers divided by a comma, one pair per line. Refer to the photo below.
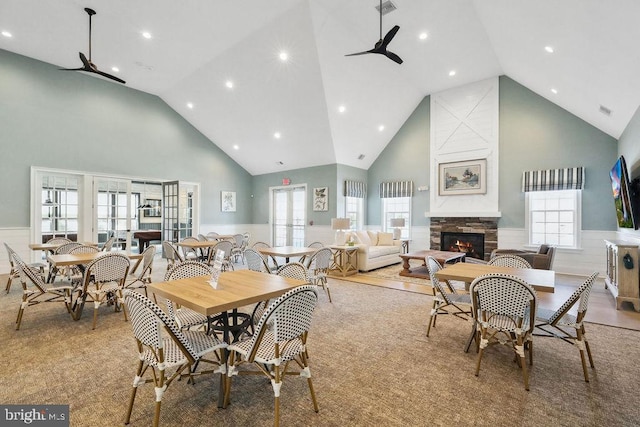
[66,260]
[540,280]
[234,289]
[287,252]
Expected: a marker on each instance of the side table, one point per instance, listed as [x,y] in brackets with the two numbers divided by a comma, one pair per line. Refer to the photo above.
[404,243]
[345,260]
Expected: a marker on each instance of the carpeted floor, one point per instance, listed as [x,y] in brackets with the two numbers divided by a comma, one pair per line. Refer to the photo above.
[371,363]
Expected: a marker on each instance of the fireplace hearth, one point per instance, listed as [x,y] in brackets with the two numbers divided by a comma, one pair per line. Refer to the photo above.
[472,244]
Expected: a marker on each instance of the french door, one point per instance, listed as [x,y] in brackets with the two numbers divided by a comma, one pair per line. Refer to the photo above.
[113,207]
[288,215]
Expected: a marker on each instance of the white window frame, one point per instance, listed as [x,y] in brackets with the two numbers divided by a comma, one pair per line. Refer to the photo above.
[555,210]
[388,214]
[354,210]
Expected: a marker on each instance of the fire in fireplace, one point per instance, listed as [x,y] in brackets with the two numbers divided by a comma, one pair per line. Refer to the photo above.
[472,244]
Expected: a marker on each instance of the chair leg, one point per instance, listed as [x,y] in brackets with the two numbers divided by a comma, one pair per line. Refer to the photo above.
[276,383]
[227,383]
[133,393]
[520,350]
[580,343]
[96,304]
[307,373]
[23,305]
[586,344]
[432,316]
[9,280]
[483,344]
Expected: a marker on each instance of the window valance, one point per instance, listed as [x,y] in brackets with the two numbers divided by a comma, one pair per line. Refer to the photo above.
[355,189]
[396,189]
[553,179]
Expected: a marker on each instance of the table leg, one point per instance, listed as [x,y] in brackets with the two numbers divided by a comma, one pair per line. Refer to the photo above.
[406,267]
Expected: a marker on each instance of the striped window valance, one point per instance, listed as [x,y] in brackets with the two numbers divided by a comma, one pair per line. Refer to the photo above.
[355,189]
[553,179]
[396,189]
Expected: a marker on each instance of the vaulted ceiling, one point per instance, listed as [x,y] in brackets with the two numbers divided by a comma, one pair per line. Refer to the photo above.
[281,115]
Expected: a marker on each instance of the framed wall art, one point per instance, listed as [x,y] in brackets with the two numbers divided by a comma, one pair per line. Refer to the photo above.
[228,201]
[466,177]
[154,208]
[321,199]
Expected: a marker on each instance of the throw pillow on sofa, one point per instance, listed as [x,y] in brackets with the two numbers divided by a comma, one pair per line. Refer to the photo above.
[363,237]
[373,236]
[385,239]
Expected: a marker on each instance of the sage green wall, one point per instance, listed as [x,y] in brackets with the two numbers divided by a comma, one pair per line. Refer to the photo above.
[405,158]
[71,120]
[537,134]
[319,176]
[350,173]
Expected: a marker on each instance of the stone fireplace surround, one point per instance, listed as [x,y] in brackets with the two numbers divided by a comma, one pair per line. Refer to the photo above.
[486,226]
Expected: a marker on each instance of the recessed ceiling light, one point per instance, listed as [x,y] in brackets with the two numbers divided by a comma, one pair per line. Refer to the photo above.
[554,90]
[229,84]
[7,34]
[452,73]
[423,36]
[116,69]
[342,108]
[236,147]
[146,34]
[548,49]
[190,105]
[277,135]
[283,56]
[381,128]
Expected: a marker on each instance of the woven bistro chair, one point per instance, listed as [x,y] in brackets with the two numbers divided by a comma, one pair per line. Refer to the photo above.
[103,281]
[190,253]
[37,267]
[237,253]
[185,317]
[256,261]
[512,261]
[58,240]
[263,245]
[318,267]
[506,307]
[167,351]
[171,254]
[226,247]
[279,339]
[315,245]
[143,277]
[560,322]
[35,290]
[108,245]
[447,300]
[65,248]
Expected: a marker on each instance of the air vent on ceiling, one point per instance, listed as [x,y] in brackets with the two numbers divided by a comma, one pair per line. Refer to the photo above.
[361,156]
[387,7]
[604,110]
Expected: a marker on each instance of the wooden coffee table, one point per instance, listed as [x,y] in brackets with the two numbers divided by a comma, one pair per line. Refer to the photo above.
[443,257]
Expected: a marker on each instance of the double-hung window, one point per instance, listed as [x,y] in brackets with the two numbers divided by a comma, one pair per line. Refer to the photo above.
[355,193]
[553,201]
[396,203]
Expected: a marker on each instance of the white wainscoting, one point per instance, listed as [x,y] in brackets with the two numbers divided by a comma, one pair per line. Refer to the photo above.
[583,261]
[18,239]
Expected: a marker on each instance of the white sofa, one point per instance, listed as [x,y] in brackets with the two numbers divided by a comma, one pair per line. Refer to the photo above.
[375,249]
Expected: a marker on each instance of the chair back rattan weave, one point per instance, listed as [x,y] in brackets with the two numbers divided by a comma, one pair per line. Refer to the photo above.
[512,261]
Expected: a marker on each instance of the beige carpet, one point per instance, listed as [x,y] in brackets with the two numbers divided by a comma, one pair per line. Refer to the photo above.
[371,363]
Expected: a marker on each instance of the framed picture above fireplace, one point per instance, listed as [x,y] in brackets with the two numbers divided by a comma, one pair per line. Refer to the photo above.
[466,177]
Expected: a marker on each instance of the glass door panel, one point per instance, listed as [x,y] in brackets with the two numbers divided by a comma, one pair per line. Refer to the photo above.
[289,212]
[113,211]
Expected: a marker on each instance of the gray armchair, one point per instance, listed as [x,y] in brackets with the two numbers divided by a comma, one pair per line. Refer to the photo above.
[542,259]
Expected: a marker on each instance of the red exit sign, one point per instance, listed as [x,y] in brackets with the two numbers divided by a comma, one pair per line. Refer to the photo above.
[286,181]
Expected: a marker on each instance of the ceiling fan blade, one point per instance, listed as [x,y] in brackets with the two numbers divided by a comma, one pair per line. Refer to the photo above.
[392,56]
[109,76]
[362,53]
[72,69]
[390,35]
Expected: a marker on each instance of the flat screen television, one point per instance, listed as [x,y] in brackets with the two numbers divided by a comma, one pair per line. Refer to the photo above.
[621,186]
